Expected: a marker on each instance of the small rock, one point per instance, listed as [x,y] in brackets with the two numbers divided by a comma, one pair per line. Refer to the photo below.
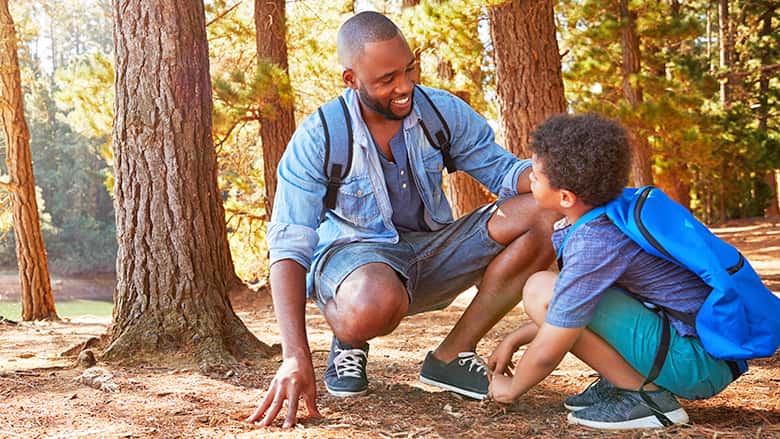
[98,378]
[86,358]
[229,374]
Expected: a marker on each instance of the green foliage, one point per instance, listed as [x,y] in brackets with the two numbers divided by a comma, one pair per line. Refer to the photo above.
[721,152]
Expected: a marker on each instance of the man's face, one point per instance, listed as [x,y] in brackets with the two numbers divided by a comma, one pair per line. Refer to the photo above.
[384,76]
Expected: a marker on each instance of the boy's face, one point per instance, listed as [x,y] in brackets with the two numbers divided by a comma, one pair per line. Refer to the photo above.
[545,195]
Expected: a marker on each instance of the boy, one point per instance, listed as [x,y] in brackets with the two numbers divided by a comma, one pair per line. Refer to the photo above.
[594,306]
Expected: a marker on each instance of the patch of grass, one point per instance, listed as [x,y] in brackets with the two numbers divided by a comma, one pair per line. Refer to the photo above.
[68,308]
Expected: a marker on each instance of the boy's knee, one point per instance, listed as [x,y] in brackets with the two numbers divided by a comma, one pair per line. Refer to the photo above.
[537,294]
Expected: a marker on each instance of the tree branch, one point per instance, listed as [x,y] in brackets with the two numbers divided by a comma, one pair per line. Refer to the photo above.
[762,69]
[220,16]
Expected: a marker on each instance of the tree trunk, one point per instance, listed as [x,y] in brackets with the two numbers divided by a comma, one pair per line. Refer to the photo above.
[726,41]
[773,209]
[528,69]
[275,131]
[641,160]
[173,263]
[36,295]
[464,193]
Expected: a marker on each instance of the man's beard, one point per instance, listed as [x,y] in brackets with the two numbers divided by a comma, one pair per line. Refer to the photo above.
[385,111]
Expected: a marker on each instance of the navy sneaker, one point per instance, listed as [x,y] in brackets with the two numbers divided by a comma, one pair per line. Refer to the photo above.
[596,392]
[465,375]
[625,409]
[346,372]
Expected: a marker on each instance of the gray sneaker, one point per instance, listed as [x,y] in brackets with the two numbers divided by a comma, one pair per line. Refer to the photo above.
[625,409]
[597,391]
[465,375]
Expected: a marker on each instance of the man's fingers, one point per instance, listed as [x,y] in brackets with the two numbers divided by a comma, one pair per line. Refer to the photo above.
[310,400]
[270,415]
[292,411]
[264,405]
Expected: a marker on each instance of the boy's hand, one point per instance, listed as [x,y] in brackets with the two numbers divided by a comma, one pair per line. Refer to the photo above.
[500,389]
[500,361]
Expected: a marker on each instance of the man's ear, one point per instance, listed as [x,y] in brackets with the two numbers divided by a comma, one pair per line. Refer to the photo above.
[568,199]
[348,75]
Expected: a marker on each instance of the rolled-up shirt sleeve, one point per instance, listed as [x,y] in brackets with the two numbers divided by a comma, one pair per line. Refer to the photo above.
[301,185]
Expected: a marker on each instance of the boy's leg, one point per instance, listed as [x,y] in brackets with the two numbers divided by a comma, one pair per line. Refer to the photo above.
[623,338]
[590,348]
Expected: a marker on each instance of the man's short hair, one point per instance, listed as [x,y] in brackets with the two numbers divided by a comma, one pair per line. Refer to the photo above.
[586,154]
[364,27]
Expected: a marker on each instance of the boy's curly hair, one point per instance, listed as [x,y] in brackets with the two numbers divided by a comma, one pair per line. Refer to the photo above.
[586,154]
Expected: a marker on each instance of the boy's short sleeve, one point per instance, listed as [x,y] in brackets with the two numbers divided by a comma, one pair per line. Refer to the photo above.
[593,261]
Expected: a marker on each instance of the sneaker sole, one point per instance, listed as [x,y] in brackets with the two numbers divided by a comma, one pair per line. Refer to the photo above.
[345,393]
[458,390]
[574,408]
[678,416]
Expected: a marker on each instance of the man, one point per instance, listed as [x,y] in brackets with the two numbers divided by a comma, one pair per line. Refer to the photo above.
[390,247]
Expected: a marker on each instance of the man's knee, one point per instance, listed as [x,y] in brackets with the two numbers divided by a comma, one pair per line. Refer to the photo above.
[537,294]
[371,302]
[518,216]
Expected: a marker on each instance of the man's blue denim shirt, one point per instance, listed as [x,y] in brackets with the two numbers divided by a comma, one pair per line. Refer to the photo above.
[363,211]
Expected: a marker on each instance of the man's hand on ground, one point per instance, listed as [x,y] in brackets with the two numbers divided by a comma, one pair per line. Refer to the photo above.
[293,380]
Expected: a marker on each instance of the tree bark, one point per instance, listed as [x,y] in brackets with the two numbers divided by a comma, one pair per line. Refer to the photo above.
[36,294]
[275,131]
[173,264]
[528,69]
[641,161]
[726,41]
[773,209]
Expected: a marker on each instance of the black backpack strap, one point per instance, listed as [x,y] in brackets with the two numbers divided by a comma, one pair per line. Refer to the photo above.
[435,127]
[655,370]
[337,129]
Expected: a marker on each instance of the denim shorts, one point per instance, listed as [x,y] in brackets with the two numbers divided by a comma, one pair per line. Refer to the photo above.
[434,266]
[635,332]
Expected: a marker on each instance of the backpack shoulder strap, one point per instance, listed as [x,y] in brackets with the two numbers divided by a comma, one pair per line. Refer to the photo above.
[591,214]
[337,127]
[435,127]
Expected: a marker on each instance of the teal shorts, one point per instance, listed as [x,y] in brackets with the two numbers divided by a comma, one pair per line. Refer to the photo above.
[635,332]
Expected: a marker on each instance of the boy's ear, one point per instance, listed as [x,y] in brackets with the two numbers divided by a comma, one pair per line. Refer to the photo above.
[568,199]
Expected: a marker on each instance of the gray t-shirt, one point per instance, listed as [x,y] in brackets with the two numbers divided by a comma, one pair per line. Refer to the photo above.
[408,208]
[597,256]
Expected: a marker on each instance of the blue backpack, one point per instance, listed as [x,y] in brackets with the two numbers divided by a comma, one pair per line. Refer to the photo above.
[740,319]
[337,127]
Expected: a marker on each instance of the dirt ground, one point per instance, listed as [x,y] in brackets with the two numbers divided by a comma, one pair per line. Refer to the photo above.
[39,397]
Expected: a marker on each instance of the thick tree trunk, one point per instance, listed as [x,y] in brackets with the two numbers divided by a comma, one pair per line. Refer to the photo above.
[641,161]
[173,263]
[528,69]
[37,298]
[275,131]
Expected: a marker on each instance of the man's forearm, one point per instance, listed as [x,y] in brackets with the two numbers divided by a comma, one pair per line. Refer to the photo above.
[288,289]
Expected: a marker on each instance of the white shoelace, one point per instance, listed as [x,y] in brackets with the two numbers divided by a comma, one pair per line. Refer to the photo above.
[473,361]
[348,362]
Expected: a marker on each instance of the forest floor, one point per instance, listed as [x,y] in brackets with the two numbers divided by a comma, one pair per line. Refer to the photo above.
[39,397]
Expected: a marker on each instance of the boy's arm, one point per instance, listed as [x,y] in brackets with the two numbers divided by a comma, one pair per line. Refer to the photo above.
[542,357]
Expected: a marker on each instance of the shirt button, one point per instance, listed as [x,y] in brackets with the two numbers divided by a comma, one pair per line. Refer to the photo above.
[360,192]
[403,185]
[402,172]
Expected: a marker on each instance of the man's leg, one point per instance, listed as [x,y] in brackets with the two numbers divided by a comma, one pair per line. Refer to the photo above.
[525,230]
[369,303]
[360,288]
